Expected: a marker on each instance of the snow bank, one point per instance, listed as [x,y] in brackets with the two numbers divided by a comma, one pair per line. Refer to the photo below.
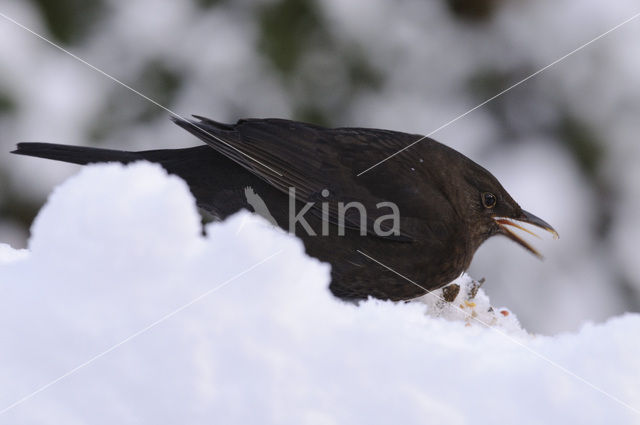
[147,321]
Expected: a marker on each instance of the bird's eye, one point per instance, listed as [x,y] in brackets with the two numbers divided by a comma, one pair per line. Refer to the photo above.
[489,200]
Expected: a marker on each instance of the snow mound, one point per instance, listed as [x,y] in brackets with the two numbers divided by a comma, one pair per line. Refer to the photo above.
[121,311]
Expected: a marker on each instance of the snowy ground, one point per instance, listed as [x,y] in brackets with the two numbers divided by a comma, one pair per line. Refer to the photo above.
[433,67]
[121,312]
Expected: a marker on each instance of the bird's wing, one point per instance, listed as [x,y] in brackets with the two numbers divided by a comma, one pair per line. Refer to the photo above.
[311,159]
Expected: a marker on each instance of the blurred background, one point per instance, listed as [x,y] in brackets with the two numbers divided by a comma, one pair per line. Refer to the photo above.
[564,143]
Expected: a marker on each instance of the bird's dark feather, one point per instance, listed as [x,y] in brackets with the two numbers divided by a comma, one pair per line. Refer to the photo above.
[429,183]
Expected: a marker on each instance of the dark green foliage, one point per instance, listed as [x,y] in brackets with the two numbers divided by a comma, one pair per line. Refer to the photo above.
[288,28]
[583,144]
[7,103]
[157,81]
[472,10]
[294,30]
[69,20]
[206,4]
[160,83]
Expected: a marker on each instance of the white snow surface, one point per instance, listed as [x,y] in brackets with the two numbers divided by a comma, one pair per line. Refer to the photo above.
[120,311]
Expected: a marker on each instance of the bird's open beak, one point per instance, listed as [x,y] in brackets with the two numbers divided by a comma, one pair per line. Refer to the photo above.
[525,217]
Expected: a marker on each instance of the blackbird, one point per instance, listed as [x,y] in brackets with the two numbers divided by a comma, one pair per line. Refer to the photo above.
[423,214]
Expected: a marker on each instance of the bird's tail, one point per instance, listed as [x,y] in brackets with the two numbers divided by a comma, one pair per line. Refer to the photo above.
[75,154]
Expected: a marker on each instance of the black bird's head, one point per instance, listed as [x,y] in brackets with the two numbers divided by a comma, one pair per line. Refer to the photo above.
[490,210]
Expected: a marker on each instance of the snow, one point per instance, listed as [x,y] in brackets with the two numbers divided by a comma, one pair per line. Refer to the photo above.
[145,320]
[429,62]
